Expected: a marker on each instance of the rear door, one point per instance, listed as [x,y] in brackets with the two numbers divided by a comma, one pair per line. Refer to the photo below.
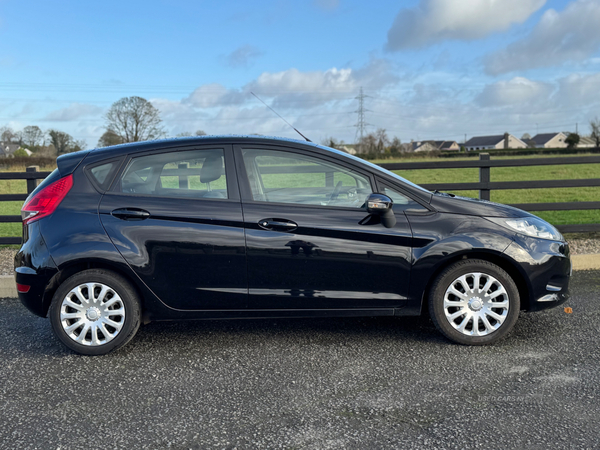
[176,218]
[310,242]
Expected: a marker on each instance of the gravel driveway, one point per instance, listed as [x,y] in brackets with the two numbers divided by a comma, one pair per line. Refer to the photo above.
[307,384]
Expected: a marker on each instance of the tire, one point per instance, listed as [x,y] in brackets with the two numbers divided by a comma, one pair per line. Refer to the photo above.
[457,302]
[109,319]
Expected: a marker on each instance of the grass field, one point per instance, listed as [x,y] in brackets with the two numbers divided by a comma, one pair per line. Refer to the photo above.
[557,172]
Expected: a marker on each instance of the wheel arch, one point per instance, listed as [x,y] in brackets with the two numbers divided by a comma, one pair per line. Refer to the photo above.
[73,267]
[501,260]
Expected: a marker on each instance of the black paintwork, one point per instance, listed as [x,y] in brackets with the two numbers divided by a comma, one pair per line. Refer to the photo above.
[237,258]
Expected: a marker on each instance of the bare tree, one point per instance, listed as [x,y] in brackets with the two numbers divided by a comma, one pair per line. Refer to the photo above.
[382,140]
[7,134]
[62,142]
[134,119]
[32,136]
[330,142]
[595,127]
[109,138]
[395,145]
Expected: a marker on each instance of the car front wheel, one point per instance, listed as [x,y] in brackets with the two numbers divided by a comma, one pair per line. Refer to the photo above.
[474,302]
[94,312]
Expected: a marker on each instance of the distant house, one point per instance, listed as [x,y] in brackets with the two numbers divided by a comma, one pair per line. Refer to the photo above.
[429,146]
[586,142]
[549,140]
[447,145]
[348,148]
[423,146]
[8,149]
[500,141]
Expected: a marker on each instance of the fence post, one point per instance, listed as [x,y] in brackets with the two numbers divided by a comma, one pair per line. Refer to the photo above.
[32,184]
[484,176]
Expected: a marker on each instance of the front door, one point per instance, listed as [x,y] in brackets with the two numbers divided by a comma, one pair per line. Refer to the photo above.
[176,218]
[310,243]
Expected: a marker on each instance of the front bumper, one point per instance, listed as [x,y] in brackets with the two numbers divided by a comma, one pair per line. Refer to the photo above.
[546,268]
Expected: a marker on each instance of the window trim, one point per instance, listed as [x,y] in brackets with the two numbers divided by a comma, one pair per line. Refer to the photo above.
[244,183]
[233,191]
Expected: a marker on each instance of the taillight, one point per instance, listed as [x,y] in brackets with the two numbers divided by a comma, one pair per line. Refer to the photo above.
[45,202]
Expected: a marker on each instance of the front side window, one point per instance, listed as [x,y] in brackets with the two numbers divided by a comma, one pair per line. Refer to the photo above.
[193,174]
[401,201]
[284,177]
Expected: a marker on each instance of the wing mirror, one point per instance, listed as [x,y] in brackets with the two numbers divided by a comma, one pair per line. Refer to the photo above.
[381,205]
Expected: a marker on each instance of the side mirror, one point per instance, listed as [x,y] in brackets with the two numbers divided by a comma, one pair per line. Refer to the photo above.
[381,205]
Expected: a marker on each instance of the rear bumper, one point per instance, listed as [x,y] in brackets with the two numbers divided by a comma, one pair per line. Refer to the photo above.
[546,265]
[34,268]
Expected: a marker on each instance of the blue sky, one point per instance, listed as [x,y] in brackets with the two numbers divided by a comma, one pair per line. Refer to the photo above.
[433,69]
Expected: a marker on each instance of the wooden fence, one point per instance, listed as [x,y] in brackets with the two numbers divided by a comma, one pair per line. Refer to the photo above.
[484,186]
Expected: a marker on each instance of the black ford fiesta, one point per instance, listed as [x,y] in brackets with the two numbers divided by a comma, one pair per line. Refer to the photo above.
[251,227]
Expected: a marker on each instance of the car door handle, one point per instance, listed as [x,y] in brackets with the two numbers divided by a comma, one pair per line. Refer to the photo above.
[130,214]
[277,224]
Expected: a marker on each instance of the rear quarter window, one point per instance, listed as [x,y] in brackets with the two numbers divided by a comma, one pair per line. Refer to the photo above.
[102,174]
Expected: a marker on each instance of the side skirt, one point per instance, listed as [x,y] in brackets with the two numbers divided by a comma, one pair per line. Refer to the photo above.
[273,314]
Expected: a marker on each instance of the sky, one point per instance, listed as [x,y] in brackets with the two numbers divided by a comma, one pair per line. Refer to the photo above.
[430,69]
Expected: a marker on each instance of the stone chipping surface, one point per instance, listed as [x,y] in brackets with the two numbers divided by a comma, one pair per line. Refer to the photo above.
[350,383]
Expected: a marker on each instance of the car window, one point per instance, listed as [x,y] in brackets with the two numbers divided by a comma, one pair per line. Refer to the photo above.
[285,177]
[194,174]
[401,201]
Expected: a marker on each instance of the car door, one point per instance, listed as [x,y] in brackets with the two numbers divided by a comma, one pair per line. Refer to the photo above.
[176,217]
[310,243]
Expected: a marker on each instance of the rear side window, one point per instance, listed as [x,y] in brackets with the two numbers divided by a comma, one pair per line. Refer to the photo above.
[192,174]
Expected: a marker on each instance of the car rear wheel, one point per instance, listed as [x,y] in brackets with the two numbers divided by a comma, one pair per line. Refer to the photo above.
[474,302]
[94,312]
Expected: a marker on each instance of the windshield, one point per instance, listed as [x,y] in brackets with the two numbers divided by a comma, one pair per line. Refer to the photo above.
[375,166]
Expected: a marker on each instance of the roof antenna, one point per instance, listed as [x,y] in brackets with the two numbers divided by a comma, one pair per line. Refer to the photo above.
[280,117]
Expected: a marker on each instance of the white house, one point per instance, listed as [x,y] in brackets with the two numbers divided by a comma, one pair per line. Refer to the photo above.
[550,140]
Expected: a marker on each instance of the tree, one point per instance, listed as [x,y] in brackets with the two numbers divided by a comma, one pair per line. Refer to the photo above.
[20,152]
[62,142]
[134,119]
[109,138]
[32,136]
[572,140]
[7,134]
[595,127]
[330,142]
[396,145]
[382,140]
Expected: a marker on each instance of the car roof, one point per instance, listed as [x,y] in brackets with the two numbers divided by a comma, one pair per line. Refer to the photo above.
[195,140]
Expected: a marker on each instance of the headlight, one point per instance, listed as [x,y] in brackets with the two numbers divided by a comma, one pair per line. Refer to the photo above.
[530,226]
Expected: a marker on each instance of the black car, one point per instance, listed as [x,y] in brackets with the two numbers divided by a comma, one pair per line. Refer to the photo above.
[252,227]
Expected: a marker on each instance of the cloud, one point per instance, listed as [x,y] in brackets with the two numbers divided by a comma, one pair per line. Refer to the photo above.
[432,21]
[328,5]
[571,35]
[74,111]
[518,91]
[243,56]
